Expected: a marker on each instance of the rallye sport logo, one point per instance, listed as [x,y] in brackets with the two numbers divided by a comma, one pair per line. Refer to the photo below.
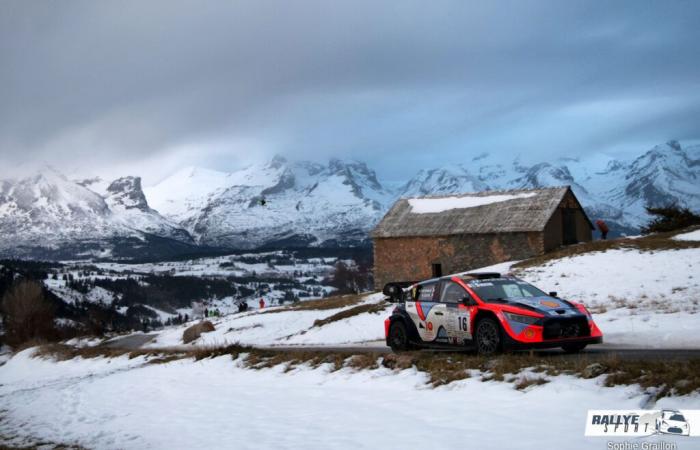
[640,423]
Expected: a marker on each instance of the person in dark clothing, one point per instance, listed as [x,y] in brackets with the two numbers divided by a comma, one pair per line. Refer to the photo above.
[603,227]
[206,312]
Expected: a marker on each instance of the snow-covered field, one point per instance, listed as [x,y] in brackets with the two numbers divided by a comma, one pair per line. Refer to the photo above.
[217,403]
[281,326]
[640,299]
[690,236]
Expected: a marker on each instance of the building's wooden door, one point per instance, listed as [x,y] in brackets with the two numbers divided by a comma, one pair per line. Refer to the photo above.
[568,216]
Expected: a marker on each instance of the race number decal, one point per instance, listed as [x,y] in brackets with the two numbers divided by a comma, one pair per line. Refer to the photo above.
[458,324]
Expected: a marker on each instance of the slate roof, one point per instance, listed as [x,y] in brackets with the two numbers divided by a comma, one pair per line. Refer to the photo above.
[519,214]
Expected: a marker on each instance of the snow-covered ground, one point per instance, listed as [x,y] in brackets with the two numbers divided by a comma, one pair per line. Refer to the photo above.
[276,276]
[638,298]
[280,326]
[690,236]
[217,403]
[232,265]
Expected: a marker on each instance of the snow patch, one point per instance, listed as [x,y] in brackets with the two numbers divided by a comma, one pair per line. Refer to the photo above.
[437,205]
[691,236]
[216,403]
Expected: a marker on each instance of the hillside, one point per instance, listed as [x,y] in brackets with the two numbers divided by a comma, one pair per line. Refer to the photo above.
[642,292]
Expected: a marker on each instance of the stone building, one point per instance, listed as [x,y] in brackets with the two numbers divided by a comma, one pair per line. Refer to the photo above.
[428,237]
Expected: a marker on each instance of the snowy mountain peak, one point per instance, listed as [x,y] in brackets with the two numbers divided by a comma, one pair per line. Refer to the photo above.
[278,161]
[674,144]
[48,212]
[49,191]
[126,192]
[544,175]
[445,180]
[614,166]
[302,203]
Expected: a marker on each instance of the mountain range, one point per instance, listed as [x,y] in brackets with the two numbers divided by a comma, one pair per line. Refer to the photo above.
[285,203]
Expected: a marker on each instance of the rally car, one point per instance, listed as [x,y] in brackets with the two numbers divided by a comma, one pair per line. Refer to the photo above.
[487,312]
[672,421]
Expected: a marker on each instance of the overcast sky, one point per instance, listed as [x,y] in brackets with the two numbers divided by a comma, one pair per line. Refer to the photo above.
[147,87]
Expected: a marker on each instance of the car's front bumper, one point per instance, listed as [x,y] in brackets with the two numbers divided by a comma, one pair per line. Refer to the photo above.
[512,344]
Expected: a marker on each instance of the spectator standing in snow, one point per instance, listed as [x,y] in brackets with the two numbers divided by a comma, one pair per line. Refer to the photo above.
[262,303]
[206,313]
[603,227]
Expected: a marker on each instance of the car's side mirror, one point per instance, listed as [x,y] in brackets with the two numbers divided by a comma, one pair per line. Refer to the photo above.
[553,294]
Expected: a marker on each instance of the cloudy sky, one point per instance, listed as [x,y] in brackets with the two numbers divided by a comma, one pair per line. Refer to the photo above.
[147,87]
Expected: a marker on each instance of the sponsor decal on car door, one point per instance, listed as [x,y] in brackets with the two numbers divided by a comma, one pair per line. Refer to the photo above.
[423,311]
[457,317]
[458,323]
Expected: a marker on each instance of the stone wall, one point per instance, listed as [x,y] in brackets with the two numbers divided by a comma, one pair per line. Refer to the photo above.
[411,258]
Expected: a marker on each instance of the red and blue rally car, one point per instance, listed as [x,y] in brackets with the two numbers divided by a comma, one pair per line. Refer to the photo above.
[487,312]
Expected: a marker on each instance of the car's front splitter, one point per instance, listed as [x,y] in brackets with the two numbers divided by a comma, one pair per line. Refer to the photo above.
[511,344]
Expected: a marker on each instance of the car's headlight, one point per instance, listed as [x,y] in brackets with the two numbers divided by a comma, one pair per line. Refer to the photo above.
[520,318]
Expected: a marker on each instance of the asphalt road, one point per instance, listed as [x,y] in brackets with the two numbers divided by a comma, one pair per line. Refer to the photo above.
[601,351]
[596,352]
[131,342]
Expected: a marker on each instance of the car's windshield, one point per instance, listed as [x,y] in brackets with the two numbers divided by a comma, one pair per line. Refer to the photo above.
[495,289]
[677,417]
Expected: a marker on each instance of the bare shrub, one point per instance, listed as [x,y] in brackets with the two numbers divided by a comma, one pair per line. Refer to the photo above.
[669,218]
[27,314]
[526,382]
[196,330]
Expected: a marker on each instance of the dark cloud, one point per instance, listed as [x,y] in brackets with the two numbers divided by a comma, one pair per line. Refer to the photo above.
[159,84]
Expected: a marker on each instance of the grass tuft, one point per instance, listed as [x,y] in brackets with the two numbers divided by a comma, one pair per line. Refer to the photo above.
[372,308]
[659,378]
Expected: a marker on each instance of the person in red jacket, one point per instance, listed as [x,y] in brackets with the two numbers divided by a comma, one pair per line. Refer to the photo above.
[262,303]
[603,229]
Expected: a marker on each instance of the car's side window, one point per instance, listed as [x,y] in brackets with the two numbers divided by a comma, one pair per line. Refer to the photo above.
[426,292]
[452,293]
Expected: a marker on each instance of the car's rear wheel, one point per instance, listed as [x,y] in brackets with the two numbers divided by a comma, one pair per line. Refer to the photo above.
[398,337]
[488,337]
[573,348]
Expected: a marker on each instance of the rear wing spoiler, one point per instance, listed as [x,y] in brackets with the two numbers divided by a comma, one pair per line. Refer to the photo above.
[395,290]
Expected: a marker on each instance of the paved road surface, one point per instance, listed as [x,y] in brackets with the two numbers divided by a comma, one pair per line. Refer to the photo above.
[602,351]
[594,352]
[131,342]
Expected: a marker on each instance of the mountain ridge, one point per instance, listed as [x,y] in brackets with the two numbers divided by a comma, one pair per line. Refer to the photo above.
[300,203]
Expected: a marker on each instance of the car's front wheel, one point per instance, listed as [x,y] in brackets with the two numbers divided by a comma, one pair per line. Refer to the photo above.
[488,337]
[398,337]
[573,348]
